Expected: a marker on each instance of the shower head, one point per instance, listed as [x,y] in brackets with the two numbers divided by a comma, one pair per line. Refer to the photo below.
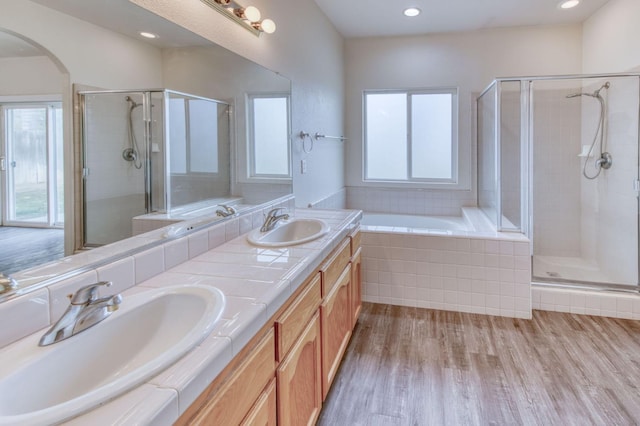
[133,104]
[595,94]
[604,86]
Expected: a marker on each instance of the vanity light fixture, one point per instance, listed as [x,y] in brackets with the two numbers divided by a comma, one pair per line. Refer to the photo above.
[568,4]
[248,17]
[411,12]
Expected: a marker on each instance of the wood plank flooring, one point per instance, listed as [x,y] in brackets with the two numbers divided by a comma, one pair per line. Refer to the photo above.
[21,248]
[408,366]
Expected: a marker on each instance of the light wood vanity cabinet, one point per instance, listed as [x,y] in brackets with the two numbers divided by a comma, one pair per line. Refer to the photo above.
[356,277]
[285,372]
[300,380]
[264,412]
[299,375]
[231,396]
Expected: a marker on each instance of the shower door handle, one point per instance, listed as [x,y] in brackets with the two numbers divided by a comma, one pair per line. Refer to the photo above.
[3,164]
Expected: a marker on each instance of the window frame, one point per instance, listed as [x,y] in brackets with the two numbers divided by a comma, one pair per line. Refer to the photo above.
[251,155]
[412,181]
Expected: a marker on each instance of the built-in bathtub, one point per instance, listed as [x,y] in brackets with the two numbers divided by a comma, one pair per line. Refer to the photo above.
[456,263]
[433,223]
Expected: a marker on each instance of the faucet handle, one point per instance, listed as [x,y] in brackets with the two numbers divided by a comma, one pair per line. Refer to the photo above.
[88,293]
[274,212]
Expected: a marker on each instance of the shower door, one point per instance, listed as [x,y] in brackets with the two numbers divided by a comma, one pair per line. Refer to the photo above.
[115,152]
[585,215]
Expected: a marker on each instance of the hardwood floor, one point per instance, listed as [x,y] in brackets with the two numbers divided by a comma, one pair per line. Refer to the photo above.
[408,366]
[21,248]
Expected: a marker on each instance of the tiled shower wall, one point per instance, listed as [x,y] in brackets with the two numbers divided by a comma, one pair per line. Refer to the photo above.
[479,275]
[556,171]
[409,201]
[609,203]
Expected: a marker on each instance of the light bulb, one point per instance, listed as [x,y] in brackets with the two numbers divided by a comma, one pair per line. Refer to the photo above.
[252,14]
[568,4]
[268,26]
[411,11]
[147,35]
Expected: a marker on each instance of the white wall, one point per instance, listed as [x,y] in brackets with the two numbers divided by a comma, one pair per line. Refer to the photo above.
[305,48]
[35,75]
[91,54]
[469,61]
[610,38]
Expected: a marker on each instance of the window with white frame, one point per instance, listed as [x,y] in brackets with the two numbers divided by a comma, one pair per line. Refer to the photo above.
[411,135]
[268,126]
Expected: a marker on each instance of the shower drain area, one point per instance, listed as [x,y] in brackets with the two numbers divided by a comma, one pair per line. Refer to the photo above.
[569,269]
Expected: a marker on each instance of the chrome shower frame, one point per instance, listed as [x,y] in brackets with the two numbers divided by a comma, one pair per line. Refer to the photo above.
[526,173]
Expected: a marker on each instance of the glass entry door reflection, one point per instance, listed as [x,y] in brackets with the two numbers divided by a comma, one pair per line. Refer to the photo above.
[31,167]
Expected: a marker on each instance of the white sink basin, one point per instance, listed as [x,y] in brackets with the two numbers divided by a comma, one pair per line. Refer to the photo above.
[289,233]
[149,332]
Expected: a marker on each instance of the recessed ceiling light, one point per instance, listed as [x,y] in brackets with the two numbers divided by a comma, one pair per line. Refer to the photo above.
[568,4]
[147,35]
[411,11]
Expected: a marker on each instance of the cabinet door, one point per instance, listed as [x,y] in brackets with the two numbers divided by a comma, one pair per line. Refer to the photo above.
[356,287]
[336,322]
[300,380]
[238,395]
[263,412]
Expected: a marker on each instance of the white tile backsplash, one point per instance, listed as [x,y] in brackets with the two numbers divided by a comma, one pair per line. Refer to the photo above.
[23,316]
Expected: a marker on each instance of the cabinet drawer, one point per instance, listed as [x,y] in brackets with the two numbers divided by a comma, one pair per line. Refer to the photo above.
[291,323]
[236,397]
[355,240]
[333,267]
[264,411]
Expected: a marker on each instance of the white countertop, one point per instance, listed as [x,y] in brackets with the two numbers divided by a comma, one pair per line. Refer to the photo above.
[256,282]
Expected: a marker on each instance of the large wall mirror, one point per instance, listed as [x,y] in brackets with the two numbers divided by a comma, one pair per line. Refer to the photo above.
[51,50]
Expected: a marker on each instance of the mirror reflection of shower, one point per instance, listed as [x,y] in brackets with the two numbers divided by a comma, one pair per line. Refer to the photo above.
[604,159]
[132,152]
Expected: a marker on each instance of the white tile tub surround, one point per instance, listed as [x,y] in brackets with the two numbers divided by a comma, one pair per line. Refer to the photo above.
[585,302]
[488,273]
[337,200]
[409,201]
[256,282]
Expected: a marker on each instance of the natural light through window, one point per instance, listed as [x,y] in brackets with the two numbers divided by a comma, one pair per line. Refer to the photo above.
[269,136]
[410,136]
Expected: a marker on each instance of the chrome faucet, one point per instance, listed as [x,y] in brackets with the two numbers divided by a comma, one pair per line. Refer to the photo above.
[85,310]
[272,218]
[7,284]
[228,211]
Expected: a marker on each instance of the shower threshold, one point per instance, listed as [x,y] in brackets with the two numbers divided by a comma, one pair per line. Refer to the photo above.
[574,272]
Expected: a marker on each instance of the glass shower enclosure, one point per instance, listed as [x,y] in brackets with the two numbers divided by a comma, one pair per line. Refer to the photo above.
[148,151]
[558,160]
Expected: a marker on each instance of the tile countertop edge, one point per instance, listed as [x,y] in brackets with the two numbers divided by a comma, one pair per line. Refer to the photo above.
[215,361]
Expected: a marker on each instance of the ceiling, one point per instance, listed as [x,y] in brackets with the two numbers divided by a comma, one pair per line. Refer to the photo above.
[369,18]
[352,18]
[126,18]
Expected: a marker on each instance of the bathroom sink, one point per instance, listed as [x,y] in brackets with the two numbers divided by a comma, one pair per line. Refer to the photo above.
[149,332]
[289,233]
